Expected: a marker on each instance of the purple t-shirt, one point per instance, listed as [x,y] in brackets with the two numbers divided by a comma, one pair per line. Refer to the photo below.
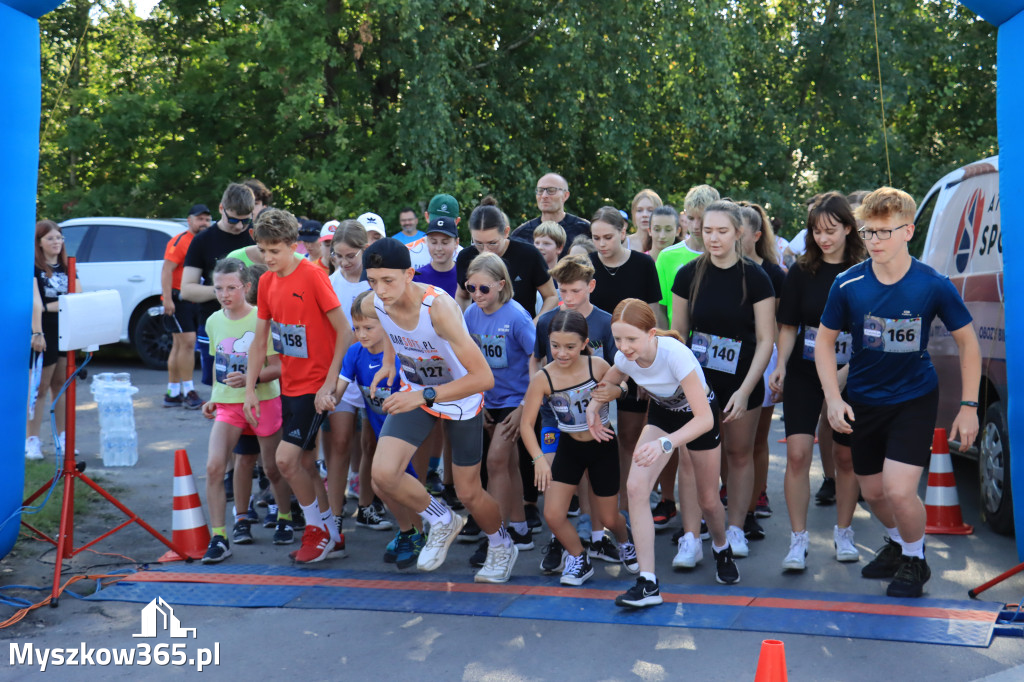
[443,280]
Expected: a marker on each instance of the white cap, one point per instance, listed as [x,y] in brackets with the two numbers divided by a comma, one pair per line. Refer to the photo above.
[327,231]
[373,223]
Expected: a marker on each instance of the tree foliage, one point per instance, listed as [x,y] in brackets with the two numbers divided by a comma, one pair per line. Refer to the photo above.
[343,106]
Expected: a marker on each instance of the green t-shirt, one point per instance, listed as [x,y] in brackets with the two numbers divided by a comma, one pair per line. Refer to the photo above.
[241,255]
[229,346]
[668,264]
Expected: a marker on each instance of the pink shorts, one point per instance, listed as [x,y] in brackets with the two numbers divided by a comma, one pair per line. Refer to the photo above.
[270,417]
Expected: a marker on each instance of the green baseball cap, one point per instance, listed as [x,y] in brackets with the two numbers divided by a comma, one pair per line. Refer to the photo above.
[443,205]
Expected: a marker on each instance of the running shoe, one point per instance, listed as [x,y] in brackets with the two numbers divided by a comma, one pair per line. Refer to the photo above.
[471,531]
[663,512]
[408,548]
[316,545]
[352,487]
[391,549]
[440,538]
[643,593]
[723,494]
[33,448]
[886,563]
[751,528]
[173,400]
[605,550]
[217,551]
[497,568]
[705,534]
[842,538]
[251,513]
[796,559]
[826,494]
[338,551]
[451,499]
[726,570]
[910,578]
[270,520]
[522,542]
[762,509]
[690,553]
[737,541]
[627,551]
[241,534]
[574,506]
[434,485]
[321,467]
[283,533]
[554,557]
[370,517]
[192,401]
[533,519]
[479,555]
[577,570]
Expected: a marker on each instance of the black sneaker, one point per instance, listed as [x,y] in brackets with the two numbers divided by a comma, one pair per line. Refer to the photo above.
[886,563]
[554,557]
[726,571]
[910,578]
[192,401]
[663,512]
[763,509]
[577,570]
[522,542]
[284,534]
[479,556]
[644,593]
[826,494]
[173,401]
[229,486]
[298,518]
[705,534]
[451,499]
[605,549]
[471,531]
[533,519]
[217,551]
[241,534]
[433,484]
[574,506]
[752,529]
[370,517]
[251,513]
[270,520]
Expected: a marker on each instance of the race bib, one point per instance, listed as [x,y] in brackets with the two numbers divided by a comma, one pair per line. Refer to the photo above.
[892,336]
[494,349]
[226,363]
[425,371]
[289,339]
[844,345]
[676,402]
[716,352]
[376,400]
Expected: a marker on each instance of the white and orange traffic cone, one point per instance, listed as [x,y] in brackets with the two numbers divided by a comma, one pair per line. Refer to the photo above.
[941,502]
[189,525]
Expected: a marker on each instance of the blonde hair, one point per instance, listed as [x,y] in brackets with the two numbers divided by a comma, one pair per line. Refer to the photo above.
[552,230]
[491,264]
[357,307]
[572,269]
[885,202]
[275,226]
[699,198]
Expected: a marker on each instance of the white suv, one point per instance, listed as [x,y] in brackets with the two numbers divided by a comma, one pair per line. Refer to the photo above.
[127,254]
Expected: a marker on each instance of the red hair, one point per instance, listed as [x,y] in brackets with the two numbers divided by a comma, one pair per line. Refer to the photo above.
[635,312]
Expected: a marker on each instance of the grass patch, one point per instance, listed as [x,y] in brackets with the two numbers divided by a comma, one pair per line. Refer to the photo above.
[47,519]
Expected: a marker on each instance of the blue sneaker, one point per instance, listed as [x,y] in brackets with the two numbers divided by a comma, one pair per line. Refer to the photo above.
[408,549]
[391,551]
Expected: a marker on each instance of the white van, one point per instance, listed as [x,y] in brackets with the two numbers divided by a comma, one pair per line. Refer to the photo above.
[961,214]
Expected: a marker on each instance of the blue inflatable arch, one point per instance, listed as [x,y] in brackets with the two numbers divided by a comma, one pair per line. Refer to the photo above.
[19,151]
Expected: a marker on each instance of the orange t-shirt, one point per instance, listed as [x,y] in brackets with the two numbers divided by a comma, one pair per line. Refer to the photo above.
[175,252]
[301,333]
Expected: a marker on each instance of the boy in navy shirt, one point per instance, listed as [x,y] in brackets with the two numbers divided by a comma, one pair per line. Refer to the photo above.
[888,303]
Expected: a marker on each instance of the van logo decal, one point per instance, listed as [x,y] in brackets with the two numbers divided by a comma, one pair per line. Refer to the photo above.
[967,230]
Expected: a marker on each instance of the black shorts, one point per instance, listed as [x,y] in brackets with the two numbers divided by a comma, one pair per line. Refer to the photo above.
[802,399]
[672,420]
[466,436]
[631,403]
[186,314]
[901,432]
[299,420]
[498,415]
[248,444]
[725,384]
[50,335]
[599,459]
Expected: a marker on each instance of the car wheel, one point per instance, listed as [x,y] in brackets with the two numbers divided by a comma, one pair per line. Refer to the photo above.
[994,470]
[151,339]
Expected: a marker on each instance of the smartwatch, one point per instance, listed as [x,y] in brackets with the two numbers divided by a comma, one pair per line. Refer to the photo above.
[666,445]
[429,394]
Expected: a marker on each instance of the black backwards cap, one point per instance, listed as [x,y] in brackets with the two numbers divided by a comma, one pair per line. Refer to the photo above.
[387,253]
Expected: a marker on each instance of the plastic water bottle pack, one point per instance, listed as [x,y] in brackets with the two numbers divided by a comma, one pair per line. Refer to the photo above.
[119,442]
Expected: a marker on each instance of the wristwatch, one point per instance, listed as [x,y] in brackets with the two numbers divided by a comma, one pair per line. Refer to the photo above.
[666,445]
[429,394]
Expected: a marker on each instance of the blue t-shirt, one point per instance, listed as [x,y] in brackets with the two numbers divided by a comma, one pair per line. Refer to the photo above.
[506,338]
[406,239]
[599,326]
[890,325]
[442,280]
[358,368]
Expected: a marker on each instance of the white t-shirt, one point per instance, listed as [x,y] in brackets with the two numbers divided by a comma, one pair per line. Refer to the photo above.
[347,292]
[672,363]
[797,245]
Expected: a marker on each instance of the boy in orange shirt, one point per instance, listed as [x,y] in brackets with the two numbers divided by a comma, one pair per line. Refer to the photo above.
[298,306]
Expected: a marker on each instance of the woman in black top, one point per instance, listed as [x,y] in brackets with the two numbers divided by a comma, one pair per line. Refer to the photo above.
[833,245]
[51,281]
[621,273]
[724,305]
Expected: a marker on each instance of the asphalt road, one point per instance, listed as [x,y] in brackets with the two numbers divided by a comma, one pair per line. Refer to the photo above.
[327,644]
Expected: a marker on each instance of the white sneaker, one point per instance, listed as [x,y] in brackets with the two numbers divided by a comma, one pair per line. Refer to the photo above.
[843,540]
[737,541]
[498,565]
[796,560]
[33,448]
[60,438]
[690,552]
[441,537]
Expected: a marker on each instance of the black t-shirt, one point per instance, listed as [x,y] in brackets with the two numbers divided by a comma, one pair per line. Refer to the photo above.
[636,278]
[803,300]
[525,266]
[50,287]
[776,274]
[573,225]
[720,308]
[208,247]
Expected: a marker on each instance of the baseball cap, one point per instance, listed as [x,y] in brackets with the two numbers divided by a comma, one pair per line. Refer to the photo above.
[443,204]
[373,223]
[387,253]
[443,224]
[327,231]
[309,230]
[199,209]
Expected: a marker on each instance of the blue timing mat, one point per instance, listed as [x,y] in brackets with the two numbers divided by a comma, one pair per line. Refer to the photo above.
[928,621]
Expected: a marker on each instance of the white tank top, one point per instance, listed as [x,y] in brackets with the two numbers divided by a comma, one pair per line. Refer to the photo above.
[428,360]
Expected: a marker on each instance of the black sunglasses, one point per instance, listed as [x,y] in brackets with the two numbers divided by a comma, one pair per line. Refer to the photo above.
[484,289]
[235,221]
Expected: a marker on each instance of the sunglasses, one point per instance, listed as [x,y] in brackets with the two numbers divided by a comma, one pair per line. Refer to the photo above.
[484,289]
[235,221]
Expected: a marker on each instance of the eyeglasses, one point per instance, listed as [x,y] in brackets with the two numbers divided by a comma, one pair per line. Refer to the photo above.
[484,289]
[227,290]
[882,235]
[550,191]
[348,256]
[234,221]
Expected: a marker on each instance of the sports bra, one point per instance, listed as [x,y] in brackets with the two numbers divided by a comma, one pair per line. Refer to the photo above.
[570,404]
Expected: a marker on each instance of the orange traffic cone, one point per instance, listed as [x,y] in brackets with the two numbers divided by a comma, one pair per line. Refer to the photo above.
[941,502]
[771,664]
[189,525]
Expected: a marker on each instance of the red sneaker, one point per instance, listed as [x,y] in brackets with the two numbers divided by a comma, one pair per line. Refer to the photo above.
[316,545]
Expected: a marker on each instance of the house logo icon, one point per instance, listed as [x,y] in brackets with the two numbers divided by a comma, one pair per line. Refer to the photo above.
[158,615]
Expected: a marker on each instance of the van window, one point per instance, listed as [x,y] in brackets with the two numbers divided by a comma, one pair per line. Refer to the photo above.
[922,222]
